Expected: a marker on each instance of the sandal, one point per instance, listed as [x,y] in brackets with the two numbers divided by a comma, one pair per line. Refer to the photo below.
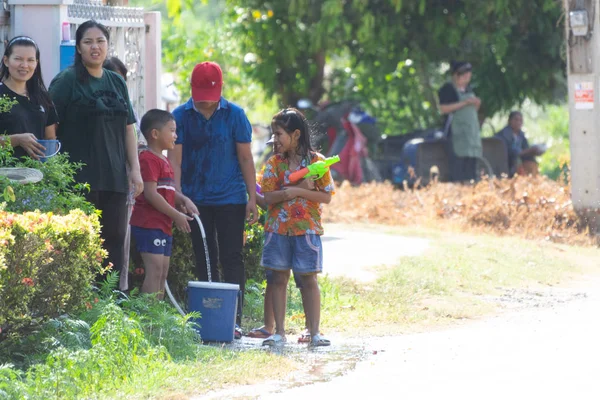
[259,333]
[305,337]
[274,340]
[319,341]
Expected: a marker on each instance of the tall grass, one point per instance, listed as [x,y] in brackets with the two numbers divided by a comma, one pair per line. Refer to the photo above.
[122,346]
[457,278]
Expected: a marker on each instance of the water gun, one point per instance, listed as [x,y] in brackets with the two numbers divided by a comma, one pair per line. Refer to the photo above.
[258,188]
[315,170]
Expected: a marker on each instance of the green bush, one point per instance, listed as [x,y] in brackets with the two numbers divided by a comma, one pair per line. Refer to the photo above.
[555,162]
[255,238]
[47,265]
[114,341]
[57,192]
[119,350]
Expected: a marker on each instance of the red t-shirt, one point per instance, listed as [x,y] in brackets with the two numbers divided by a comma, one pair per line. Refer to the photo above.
[159,170]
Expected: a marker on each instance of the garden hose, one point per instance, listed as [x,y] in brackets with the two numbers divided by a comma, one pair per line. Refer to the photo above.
[175,304]
[203,233]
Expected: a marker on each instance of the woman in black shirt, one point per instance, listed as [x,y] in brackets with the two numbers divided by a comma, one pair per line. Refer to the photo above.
[460,105]
[33,116]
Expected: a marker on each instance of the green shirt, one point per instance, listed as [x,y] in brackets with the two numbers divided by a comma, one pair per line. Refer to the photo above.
[93,126]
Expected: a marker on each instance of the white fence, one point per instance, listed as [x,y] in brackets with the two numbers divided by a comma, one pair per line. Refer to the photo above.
[132,33]
[4,25]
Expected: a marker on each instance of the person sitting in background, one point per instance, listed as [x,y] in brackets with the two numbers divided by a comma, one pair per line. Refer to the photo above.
[521,157]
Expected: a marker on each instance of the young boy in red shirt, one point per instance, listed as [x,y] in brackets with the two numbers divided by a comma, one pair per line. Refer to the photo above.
[154,212]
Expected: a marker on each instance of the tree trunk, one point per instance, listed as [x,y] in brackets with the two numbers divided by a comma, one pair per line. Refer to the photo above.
[315,88]
[316,83]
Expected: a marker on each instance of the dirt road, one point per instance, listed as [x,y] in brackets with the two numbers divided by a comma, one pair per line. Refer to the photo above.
[550,353]
[546,348]
[357,253]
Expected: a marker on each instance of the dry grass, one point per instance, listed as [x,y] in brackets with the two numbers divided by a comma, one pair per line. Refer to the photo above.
[530,207]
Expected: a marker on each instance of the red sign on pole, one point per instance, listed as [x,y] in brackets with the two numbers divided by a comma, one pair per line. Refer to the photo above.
[584,96]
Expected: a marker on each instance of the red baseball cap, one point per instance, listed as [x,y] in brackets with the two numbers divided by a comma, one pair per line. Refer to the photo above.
[207,82]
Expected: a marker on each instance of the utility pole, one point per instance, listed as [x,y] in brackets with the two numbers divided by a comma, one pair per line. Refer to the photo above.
[583,70]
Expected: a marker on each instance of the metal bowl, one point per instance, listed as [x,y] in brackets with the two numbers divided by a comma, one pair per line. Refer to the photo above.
[22,175]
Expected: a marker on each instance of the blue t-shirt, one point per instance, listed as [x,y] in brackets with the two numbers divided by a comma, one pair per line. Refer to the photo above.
[210,170]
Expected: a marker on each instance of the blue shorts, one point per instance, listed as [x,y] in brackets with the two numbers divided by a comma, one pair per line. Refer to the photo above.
[153,241]
[269,278]
[303,254]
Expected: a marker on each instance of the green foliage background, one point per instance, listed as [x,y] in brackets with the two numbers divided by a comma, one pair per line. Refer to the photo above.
[392,55]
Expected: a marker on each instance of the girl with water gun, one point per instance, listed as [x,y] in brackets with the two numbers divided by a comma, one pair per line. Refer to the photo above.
[269,320]
[293,225]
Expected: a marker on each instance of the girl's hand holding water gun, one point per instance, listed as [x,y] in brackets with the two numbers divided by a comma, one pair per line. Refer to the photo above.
[300,190]
[307,184]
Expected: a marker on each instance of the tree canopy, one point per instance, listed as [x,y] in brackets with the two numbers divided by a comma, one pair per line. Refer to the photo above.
[392,55]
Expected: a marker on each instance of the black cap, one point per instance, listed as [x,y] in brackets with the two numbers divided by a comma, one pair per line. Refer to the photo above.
[460,67]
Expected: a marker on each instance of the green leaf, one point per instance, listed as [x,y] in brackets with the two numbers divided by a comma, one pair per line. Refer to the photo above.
[9,194]
[422,5]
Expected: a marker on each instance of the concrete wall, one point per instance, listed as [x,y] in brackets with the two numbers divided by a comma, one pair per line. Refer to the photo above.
[152,66]
[42,20]
[584,115]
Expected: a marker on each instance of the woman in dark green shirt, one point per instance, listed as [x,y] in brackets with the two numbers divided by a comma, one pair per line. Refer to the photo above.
[96,128]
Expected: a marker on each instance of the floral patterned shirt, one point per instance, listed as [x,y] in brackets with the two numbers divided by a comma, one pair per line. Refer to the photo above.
[298,216]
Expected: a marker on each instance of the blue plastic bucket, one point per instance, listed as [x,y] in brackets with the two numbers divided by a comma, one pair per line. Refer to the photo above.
[217,304]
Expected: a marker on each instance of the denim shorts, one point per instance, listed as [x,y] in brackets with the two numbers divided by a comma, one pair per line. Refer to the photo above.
[153,241]
[269,278]
[303,254]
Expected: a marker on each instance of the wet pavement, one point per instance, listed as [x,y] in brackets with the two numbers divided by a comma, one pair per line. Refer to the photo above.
[322,365]
[548,348]
[547,352]
[350,252]
[544,346]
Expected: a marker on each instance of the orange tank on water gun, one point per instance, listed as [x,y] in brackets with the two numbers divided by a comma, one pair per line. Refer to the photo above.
[315,170]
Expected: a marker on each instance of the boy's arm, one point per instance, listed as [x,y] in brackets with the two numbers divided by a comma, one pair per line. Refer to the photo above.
[161,205]
[186,204]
